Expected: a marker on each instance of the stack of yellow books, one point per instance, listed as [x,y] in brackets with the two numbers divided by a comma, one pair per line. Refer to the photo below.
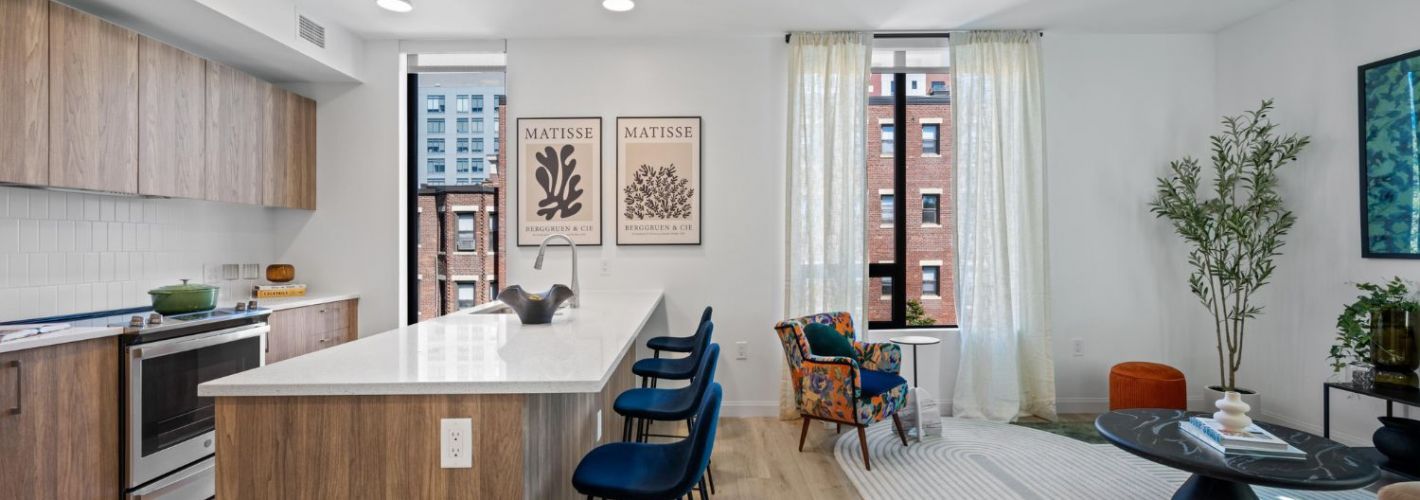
[279,290]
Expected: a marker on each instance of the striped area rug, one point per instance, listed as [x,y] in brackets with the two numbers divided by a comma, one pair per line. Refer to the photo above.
[975,460]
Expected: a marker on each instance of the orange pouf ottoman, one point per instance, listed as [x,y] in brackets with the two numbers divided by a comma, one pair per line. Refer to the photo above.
[1138,384]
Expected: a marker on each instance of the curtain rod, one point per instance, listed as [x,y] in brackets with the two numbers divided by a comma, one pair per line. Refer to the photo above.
[938,34]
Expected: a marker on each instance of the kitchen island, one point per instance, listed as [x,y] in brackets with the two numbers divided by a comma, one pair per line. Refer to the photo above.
[362,419]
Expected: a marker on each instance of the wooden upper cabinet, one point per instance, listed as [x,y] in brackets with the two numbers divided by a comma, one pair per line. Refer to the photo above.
[93,103]
[290,176]
[24,91]
[237,104]
[172,121]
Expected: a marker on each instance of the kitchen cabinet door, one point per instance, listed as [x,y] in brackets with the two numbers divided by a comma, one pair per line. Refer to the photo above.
[59,421]
[287,338]
[302,330]
[289,179]
[93,103]
[236,108]
[172,116]
[24,91]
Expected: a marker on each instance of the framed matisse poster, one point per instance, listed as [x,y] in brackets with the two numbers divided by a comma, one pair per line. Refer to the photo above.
[1390,157]
[658,188]
[559,179]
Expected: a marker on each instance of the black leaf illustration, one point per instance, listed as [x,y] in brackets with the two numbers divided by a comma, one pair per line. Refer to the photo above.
[657,193]
[558,183]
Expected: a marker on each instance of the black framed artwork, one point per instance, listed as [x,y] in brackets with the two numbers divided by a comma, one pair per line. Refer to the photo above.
[559,180]
[1389,130]
[659,193]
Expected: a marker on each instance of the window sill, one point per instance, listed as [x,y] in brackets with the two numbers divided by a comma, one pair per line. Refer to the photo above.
[930,297]
[885,297]
[933,226]
[938,155]
[884,226]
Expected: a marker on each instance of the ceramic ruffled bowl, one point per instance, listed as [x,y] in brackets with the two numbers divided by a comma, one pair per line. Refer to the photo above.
[535,308]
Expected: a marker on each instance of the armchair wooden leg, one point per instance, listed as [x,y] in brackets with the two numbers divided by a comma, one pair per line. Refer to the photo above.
[897,423]
[863,443]
[838,428]
[803,433]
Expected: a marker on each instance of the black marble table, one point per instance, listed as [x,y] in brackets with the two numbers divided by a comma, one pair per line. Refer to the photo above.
[1155,435]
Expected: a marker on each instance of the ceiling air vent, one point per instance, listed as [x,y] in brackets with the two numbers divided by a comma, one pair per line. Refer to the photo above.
[310,31]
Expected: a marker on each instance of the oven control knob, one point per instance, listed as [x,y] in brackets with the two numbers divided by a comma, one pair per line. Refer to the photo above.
[251,304]
[155,319]
[241,306]
[136,320]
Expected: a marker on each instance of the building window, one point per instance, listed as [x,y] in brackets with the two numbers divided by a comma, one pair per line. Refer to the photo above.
[939,87]
[930,145]
[929,280]
[434,104]
[436,126]
[435,181]
[478,125]
[492,290]
[464,181]
[462,105]
[478,104]
[478,144]
[478,165]
[462,126]
[888,139]
[436,166]
[886,286]
[465,242]
[914,84]
[435,145]
[467,291]
[493,235]
[462,146]
[885,203]
[461,166]
[930,204]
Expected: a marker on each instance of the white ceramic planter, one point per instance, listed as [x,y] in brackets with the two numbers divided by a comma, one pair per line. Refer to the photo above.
[1252,398]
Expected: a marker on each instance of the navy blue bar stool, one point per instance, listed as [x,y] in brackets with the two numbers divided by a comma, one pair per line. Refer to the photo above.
[652,369]
[679,344]
[668,405]
[645,471]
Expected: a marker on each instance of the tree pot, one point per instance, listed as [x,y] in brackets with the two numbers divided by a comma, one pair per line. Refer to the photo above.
[1399,440]
[1393,350]
[1252,398]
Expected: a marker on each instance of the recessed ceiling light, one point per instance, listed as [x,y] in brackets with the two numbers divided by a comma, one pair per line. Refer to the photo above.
[398,5]
[618,5]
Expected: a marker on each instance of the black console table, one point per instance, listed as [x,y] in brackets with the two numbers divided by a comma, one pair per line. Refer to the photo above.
[1408,397]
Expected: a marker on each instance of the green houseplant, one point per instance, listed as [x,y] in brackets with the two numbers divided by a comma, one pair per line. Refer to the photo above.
[1377,330]
[1234,234]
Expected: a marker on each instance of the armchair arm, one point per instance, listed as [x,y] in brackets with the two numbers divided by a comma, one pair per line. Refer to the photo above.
[829,387]
[882,357]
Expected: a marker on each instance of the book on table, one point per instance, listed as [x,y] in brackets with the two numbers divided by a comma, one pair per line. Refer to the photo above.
[1252,441]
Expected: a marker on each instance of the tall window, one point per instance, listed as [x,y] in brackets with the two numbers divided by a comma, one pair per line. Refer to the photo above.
[435,126]
[478,144]
[436,166]
[478,125]
[467,291]
[909,263]
[492,289]
[462,126]
[466,241]
[478,165]
[930,146]
[478,104]
[434,104]
[462,105]
[889,138]
[462,145]
[493,235]
[435,145]
[461,166]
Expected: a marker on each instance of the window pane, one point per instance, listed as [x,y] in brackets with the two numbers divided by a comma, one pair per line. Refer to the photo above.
[436,126]
[888,138]
[466,241]
[930,173]
[434,104]
[478,104]
[929,138]
[888,208]
[436,165]
[466,294]
[463,125]
[930,280]
[478,125]
[929,208]
[478,145]
[436,146]
[478,165]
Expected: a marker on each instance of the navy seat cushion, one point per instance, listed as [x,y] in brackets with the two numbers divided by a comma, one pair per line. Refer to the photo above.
[656,404]
[666,368]
[633,471]
[672,344]
[876,382]
[824,340]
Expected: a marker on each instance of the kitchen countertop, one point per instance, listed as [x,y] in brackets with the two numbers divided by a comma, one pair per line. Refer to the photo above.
[73,334]
[309,299]
[463,353]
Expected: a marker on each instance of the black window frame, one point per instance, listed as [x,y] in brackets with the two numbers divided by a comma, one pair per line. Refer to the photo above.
[936,139]
[936,209]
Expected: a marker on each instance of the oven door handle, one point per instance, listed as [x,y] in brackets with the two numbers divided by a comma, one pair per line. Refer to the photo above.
[184,344]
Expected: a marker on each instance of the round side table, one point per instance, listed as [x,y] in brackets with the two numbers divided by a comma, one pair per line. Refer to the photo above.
[914,341]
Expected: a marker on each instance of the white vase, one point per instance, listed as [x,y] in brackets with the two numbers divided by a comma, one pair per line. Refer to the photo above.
[1211,394]
[1232,412]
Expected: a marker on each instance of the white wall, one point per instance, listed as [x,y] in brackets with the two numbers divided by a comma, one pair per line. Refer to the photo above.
[1305,55]
[737,85]
[354,241]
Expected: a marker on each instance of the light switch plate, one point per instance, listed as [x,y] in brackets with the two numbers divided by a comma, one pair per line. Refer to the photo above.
[741,350]
[456,443]
[213,273]
[231,272]
[251,271]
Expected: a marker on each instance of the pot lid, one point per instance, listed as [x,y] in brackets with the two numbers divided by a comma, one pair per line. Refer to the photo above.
[184,287]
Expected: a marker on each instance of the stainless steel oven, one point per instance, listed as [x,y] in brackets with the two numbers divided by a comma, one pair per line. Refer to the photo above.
[169,429]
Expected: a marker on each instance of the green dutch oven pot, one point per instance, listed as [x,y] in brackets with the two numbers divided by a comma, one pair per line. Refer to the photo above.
[184,298]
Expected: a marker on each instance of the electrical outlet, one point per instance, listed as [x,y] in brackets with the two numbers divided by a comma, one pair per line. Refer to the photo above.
[1079,345]
[599,426]
[251,271]
[741,350]
[606,268]
[212,273]
[455,443]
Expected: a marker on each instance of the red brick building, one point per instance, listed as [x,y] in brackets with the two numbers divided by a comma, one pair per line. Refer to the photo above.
[930,208]
[461,248]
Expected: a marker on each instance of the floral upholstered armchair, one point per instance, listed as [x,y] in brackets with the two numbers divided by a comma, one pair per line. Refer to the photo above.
[855,391]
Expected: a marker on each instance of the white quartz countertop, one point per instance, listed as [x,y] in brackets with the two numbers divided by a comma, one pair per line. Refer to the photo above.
[463,353]
[309,299]
[72,334]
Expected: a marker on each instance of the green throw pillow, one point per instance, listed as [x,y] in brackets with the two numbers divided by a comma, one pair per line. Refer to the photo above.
[824,340]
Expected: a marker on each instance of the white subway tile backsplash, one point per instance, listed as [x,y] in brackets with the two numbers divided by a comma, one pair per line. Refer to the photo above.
[65,253]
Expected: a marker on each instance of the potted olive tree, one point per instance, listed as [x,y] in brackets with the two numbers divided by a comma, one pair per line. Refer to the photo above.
[1233,229]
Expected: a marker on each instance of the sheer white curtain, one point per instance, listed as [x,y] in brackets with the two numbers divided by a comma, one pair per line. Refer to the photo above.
[1006,369]
[826,198]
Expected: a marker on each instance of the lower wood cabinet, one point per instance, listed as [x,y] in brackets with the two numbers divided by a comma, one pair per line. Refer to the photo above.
[59,421]
[302,330]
